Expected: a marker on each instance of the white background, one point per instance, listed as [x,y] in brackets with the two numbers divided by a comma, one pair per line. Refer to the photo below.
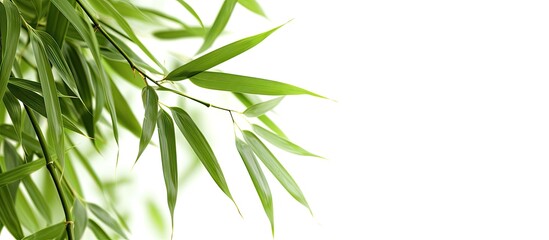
[439,128]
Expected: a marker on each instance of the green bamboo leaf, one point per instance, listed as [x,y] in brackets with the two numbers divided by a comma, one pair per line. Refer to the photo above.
[150,103]
[156,217]
[20,172]
[53,52]
[258,179]
[50,232]
[49,92]
[57,24]
[259,109]
[217,56]
[180,33]
[200,146]
[219,24]
[9,29]
[281,142]
[80,218]
[8,131]
[34,86]
[248,101]
[168,153]
[98,231]
[244,84]
[275,167]
[26,213]
[36,103]
[125,115]
[191,11]
[14,111]
[253,6]
[106,218]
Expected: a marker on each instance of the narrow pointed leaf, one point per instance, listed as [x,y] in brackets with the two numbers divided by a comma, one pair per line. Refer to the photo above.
[125,115]
[80,216]
[253,6]
[275,167]
[259,109]
[49,92]
[8,215]
[57,24]
[38,199]
[217,56]
[244,84]
[180,33]
[20,172]
[281,142]
[10,29]
[168,154]
[150,103]
[106,218]
[50,232]
[8,131]
[201,147]
[191,11]
[219,24]
[258,179]
[248,101]
[14,111]
[98,231]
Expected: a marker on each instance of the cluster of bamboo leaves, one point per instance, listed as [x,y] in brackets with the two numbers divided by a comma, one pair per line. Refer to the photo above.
[59,63]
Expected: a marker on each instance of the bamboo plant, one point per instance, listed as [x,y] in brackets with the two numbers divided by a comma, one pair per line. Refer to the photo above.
[61,66]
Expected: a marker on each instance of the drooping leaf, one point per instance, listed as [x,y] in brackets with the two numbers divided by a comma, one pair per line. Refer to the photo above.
[219,24]
[248,102]
[57,24]
[150,103]
[191,11]
[281,142]
[9,30]
[8,131]
[259,109]
[275,167]
[217,56]
[21,172]
[98,231]
[253,6]
[38,199]
[80,216]
[201,147]
[244,84]
[26,214]
[49,91]
[168,154]
[50,232]
[180,33]
[14,111]
[8,216]
[106,218]
[258,179]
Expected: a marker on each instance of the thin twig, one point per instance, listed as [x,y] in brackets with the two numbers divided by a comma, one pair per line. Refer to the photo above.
[53,174]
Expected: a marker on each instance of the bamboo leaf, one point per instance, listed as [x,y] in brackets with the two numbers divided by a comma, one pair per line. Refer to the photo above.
[219,24]
[9,30]
[14,111]
[8,131]
[8,216]
[180,33]
[275,167]
[244,84]
[248,101]
[49,92]
[80,218]
[253,6]
[259,109]
[20,172]
[53,52]
[38,199]
[50,232]
[98,231]
[191,11]
[150,103]
[168,154]
[281,142]
[106,218]
[200,146]
[57,24]
[258,179]
[217,56]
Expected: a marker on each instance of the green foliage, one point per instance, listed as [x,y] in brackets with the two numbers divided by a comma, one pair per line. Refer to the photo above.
[71,65]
